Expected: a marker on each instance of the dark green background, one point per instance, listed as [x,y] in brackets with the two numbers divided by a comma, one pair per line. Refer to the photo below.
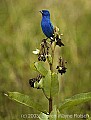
[20,34]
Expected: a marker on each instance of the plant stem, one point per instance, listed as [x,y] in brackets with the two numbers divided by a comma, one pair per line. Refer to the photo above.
[51,69]
[52,55]
[50,105]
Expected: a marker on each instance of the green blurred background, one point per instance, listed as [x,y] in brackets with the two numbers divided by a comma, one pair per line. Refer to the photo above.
[20,34]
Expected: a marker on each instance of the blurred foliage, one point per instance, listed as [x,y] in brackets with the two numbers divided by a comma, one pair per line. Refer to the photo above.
[20,34]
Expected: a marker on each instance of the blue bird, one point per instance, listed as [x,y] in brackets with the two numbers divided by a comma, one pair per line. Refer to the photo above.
[48,28]
[46,24]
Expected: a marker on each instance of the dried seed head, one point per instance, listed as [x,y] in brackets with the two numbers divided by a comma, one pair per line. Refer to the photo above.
[44,50]
[61,67]
[33,80]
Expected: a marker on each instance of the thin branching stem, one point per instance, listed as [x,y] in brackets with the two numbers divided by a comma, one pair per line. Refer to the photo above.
[51,69]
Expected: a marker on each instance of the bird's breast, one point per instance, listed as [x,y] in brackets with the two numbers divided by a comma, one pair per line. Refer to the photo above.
[47,27]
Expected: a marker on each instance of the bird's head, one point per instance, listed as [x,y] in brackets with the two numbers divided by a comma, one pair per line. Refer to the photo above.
[45,13]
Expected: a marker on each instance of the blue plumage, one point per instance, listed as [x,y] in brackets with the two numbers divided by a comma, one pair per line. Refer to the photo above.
[46,24]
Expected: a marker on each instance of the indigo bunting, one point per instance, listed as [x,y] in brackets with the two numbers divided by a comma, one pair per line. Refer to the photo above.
[48,28]
[46,24]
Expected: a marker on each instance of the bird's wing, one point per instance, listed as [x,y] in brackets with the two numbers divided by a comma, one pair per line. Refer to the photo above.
[51,26]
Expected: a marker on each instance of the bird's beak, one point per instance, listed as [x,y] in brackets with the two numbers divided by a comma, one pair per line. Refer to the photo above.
[41,11]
